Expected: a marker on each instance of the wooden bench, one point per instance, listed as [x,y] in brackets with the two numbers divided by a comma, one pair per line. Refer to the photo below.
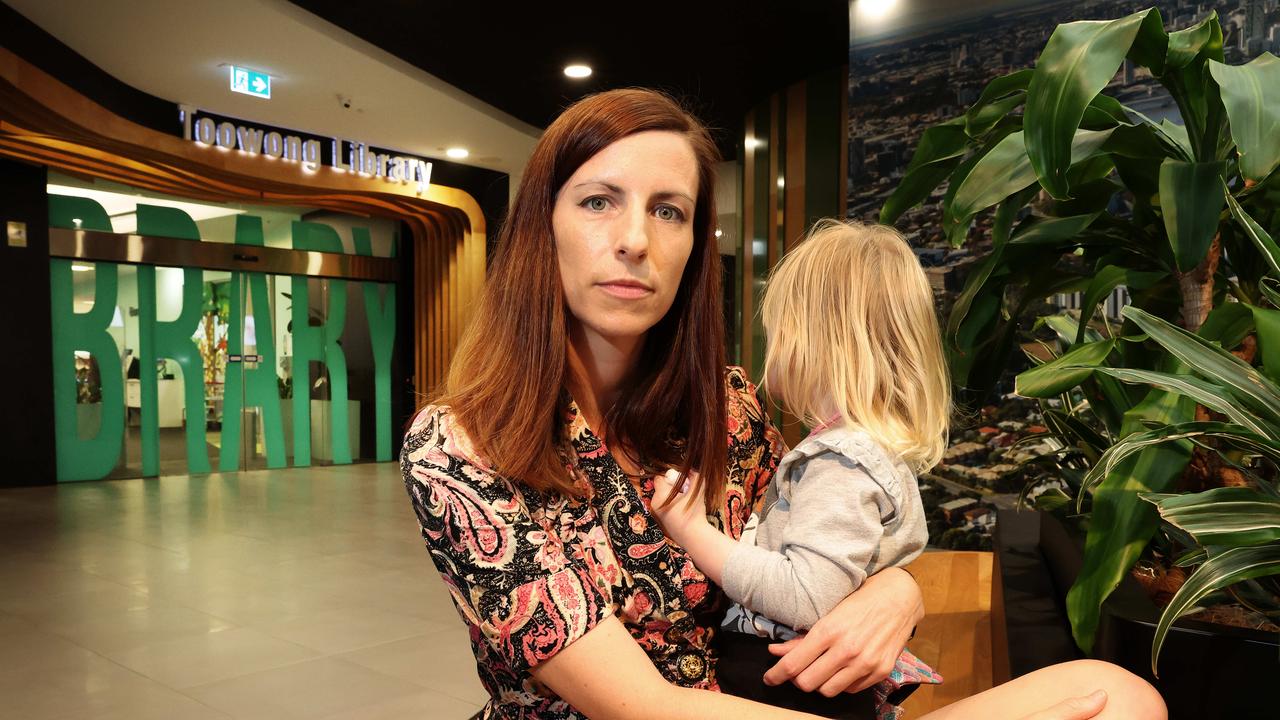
[955,635]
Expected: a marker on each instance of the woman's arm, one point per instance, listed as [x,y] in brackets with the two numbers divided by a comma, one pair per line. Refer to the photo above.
[855,645]
[606,676]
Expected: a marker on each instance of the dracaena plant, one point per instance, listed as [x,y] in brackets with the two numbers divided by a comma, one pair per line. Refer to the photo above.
[1083,194]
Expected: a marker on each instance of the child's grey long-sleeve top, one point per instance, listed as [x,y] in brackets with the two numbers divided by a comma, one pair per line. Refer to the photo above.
[840,508]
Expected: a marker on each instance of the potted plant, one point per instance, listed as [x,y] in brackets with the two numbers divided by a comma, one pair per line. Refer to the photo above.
[1083,194]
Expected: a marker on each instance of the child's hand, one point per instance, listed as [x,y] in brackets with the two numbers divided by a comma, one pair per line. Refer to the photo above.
[686,508]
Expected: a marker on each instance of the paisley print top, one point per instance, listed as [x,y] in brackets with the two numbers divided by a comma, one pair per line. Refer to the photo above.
[532,572]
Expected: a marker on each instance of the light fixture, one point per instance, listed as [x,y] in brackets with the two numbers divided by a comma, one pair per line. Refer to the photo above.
[875,9]
[752,143]
[81,268]
[577,71]
[781,183]
[719,232]
[457,153]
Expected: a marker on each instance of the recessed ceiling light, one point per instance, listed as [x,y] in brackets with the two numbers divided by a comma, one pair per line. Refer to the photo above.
[457,153]
[577,71]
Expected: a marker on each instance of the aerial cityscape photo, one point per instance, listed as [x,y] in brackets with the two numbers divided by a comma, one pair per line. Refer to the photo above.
[925,65]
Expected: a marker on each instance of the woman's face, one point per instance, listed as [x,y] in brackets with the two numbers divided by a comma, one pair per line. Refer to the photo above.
[623,227]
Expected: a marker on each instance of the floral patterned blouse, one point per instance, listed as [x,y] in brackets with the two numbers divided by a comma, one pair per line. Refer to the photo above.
[532,572]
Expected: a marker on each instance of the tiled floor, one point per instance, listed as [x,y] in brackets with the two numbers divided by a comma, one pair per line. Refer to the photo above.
[301,593]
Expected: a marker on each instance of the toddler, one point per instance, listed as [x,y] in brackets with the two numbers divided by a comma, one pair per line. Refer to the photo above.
[853,351]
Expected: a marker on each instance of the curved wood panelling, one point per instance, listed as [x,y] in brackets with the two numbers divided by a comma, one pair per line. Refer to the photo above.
[45,122]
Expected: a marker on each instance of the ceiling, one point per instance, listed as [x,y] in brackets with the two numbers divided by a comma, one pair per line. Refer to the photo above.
[720,56]
[422,76]
[178,50]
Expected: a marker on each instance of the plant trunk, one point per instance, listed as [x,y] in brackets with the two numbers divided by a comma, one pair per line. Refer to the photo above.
[1197,287]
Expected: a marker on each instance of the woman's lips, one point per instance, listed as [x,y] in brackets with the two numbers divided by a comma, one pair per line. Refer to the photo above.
[625,291]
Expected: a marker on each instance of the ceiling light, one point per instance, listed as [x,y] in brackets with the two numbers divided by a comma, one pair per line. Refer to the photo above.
[457,153]
[81,268]
[875,9]
[577,71]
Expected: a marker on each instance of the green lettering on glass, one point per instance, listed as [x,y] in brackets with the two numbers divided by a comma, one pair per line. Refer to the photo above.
[319,344]
[90,458]
[381,314]
[77,213]
[257,386]
[172,339]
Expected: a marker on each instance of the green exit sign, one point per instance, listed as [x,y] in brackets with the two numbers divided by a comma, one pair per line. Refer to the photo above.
[250,82]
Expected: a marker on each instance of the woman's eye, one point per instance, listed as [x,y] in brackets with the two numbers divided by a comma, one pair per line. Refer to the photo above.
[669,213]
[597,204]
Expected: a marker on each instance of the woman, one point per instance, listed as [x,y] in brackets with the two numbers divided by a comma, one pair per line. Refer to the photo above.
[595,361]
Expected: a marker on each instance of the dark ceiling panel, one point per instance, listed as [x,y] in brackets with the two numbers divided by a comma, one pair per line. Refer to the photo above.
[719,57]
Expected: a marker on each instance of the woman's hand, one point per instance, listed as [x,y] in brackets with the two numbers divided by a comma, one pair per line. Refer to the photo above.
[855,645]
[684,511]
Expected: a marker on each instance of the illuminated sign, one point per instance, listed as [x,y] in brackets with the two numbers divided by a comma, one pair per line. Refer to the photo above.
[308,151]
[250,82]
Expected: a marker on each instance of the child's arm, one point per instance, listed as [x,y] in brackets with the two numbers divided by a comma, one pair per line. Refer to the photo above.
[685,521]
[842,524]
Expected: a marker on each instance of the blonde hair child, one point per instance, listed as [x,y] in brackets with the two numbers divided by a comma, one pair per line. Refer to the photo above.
[854,351]
[852,332]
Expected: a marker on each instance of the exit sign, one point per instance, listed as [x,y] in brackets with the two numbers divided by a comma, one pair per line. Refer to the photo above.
[250,82]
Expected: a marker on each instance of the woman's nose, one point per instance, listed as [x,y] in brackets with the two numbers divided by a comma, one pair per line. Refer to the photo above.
[633,235]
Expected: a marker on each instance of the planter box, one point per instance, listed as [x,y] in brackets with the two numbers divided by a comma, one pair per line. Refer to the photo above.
[1207,671]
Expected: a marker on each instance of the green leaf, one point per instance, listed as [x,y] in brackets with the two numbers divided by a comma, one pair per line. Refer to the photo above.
[1188,80]
[1259,237]
[1251,96]
[1106,280]
[1140,142]
[1051,500]
[1121,523]
[1227,516]
[1219,571]
[1079,60]
[1227,324]
[940,150]
[1234,434]
[998,99]
[1006,169]
[974,285]
[1190,201]
[1215,397]
[1212,362]
[979,320]
[1178,134]
[1051,231]
[1272,294]
[1064,372]
[1268,325]
[1189,44]
[1104,112]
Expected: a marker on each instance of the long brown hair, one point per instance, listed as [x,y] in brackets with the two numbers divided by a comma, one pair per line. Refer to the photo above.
[505,382]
